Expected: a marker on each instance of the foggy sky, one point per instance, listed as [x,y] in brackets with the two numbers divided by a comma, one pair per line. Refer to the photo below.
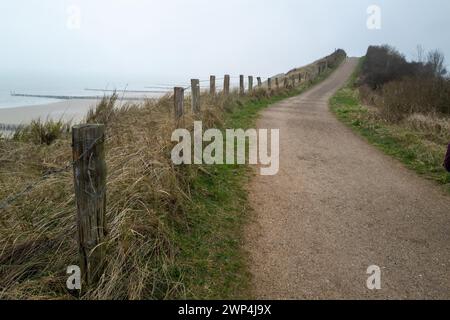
[194,38]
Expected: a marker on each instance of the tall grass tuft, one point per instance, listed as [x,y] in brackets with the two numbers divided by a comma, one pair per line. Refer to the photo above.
[104,111]
[41,132]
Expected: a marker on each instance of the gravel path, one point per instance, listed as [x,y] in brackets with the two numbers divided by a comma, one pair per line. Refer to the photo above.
[338,206]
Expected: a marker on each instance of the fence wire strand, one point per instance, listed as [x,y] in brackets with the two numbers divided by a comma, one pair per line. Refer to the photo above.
[12,198]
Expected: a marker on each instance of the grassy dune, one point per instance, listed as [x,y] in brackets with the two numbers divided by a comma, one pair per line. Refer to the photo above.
[173,232]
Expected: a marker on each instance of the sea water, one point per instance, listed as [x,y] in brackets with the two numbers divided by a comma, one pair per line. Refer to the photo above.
[75,87]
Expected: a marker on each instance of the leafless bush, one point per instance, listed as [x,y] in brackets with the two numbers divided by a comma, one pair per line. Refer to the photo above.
[400,88]
[399,99]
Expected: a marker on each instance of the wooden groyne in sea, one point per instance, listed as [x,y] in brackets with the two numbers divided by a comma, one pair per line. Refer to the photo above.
[129,91]
[9,127]
[74,97]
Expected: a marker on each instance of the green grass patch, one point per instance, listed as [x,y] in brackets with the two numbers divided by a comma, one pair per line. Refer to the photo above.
[212,262]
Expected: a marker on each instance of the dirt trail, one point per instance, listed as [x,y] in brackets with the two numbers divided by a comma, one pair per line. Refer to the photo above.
[338,206]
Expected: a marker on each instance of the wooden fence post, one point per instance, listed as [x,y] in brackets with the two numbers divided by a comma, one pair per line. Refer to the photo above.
[195,95]
[212,85]
[277,83]
[226,85]
[285,82]
[90,195]
[241,85]
[259,81]
[299,78]
[178,102]
[250,83]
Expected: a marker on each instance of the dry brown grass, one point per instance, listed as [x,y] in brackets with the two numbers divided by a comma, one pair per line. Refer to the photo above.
[431,126]
[147,195]
[148,199]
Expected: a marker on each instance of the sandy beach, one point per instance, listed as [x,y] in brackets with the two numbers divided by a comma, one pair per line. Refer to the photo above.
[67,110]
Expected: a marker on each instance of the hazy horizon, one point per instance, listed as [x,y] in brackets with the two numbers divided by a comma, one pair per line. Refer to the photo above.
[132,40]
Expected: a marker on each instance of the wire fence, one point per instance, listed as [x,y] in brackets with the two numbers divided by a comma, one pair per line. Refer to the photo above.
[168,88]
[234,83]
[90,166]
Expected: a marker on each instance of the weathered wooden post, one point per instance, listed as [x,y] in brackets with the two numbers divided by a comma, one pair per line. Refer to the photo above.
[259,81]
[269,83]
[226,85]
[90,195]
[285,82]
[195,95]
[299,78]
[241,85]
[250,83]
[178,98]
[277,83]
[212,85]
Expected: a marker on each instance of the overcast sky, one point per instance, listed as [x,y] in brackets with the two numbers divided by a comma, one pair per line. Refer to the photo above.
[163,39]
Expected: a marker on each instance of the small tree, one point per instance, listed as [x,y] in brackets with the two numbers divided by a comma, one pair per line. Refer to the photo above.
[436,62]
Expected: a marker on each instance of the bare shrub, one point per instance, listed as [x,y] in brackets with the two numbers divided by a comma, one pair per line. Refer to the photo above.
[383,64]
[413,95]
[368,96]
[436,63]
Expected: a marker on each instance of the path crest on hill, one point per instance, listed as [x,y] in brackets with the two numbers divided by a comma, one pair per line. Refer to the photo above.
[337,206]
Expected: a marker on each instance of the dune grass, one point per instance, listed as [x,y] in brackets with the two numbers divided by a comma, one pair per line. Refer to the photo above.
[174,232]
